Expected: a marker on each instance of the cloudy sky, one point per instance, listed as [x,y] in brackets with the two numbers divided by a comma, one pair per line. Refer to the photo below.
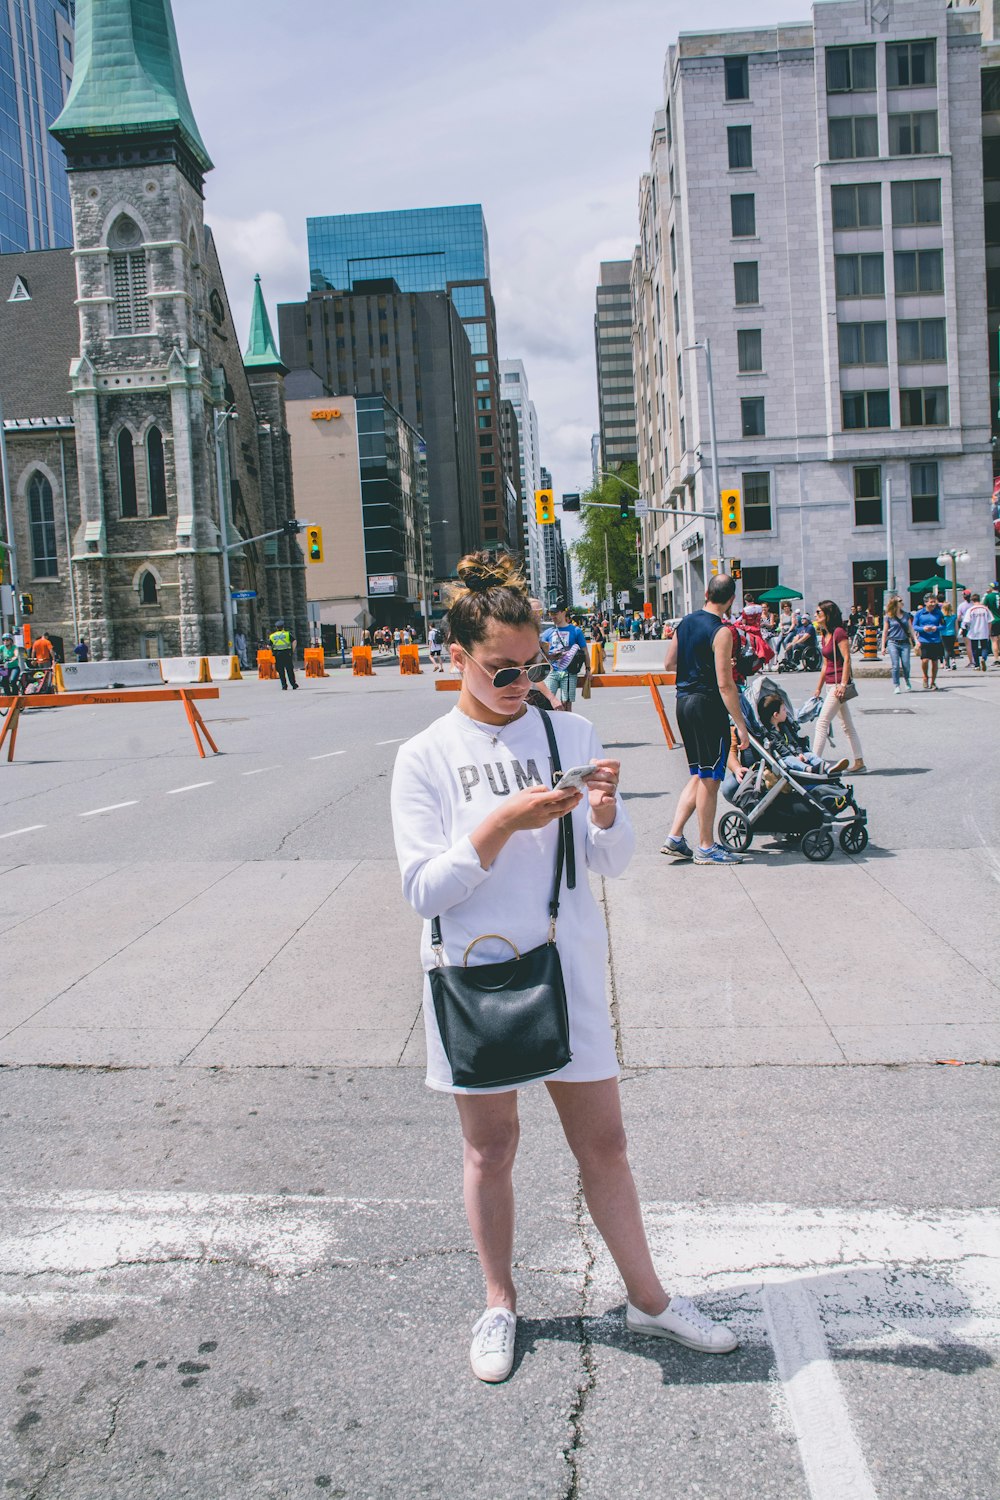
[538,109]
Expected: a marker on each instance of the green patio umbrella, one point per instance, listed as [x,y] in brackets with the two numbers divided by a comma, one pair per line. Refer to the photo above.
[934,585]
[778,594]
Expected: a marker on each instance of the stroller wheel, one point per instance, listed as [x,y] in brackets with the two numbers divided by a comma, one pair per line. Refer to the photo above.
[734,831]
[854,838]
[817,844]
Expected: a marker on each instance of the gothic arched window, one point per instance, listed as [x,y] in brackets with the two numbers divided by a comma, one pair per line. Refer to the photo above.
[126,474]
[42,520]
[156,472]
[147,589]
[129,285]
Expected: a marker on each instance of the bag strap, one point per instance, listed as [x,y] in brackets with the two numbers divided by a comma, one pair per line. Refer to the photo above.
[565,850]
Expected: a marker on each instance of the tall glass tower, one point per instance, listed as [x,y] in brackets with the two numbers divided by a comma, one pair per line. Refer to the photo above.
[36,68]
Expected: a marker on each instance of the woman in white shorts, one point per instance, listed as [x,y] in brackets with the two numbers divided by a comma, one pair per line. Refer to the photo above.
[475,819]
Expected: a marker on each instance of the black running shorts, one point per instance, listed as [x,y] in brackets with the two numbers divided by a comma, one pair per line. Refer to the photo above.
[704,727]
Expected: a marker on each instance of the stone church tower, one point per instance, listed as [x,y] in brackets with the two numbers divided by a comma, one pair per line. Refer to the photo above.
[159,368]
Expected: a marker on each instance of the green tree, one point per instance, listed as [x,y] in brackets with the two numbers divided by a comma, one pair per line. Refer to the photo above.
[598,524]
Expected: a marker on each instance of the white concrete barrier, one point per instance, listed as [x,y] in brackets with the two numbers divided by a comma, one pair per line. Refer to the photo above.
[184,668]
[95,676]
[639,656]
[224,669]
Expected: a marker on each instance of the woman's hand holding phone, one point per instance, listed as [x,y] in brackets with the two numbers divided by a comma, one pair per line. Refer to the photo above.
[602,790]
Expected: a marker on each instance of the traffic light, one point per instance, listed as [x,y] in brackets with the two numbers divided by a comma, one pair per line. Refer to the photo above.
[27,604]
[436,596]
[732,513]
[314,543]
[715,567]
[571,502]
[735,568]
[291,528]
[623,508]
[545,507]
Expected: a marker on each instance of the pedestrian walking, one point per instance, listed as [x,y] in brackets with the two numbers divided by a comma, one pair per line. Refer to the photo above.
[964,605]
[976,628]
[283,647]
[478,830]
[565,645]
[992,602]
[949,627]
[435,647]
[897,639]
[927,628]
[700,651]
[81,651]
[240,645]
[835,681]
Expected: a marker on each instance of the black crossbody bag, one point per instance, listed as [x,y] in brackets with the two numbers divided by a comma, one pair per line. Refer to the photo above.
[506,1023]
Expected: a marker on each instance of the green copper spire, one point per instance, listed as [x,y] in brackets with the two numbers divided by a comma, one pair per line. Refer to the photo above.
[262,351]
[127,76]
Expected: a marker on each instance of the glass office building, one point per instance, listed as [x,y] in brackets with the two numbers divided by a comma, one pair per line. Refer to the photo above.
[36,68]
[421,249]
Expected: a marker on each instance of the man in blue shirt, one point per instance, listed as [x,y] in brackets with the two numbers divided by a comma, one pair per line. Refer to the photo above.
[927,623]
[565,645]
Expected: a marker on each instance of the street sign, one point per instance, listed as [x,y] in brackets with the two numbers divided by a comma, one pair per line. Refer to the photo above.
[243,593]
[623,599]
[641,507]
[571,502]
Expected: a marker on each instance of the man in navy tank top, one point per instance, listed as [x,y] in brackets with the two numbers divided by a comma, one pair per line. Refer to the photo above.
[701,653]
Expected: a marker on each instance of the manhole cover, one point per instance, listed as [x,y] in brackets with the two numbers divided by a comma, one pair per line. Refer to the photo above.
[887,710]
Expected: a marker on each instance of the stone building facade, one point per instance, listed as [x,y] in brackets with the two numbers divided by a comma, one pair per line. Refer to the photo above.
[156,417]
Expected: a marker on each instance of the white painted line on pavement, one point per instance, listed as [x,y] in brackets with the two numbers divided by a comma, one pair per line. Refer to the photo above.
[112,807]
[175,791]
[327,755]
[15,831]
[260,770]
[398,741]
[633,697]
[834,1464]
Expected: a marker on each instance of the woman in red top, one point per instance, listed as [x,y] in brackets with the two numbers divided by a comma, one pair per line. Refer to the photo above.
[834,679]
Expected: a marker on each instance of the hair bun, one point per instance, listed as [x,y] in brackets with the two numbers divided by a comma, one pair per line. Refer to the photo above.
[481,572]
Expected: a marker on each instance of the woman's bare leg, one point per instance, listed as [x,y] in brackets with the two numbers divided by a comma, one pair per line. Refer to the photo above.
[591,1118]
[490,1133]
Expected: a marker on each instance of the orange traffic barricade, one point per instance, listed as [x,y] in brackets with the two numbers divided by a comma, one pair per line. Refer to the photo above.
[409,661]
[653,680]
[315,661]
[14,707]
[596,658]
[361,657]
[266,669]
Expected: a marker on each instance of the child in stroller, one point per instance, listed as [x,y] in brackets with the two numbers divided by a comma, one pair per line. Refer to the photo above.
[790,748]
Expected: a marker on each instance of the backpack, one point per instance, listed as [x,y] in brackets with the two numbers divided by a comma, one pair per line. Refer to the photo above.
[746,659]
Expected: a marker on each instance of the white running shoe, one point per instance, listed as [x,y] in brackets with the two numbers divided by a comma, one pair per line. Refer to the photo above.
[492,1352]
[685,1324]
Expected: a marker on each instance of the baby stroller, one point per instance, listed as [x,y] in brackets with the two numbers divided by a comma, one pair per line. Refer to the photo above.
[802,807]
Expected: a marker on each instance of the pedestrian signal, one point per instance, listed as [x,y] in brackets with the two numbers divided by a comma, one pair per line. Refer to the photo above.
[571,502]
[314,543]
[732,513]
[545,507]
[27,604]
[735,568]
[715,567]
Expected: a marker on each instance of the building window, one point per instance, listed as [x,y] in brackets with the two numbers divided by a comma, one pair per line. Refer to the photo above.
[42,524]
[740,147]
[131,303]
[673,251]
[918,271]
[482,367]
[927,406]
[748,350]
[916,202]
[924,493]
[743,215]
[156,473]
[737,78]
[859,275]
[862,344]
[680,377]
[868,495]
[477,337]
[126,474]
[853,136]
[486,459]
[850,70]
[864,409]
[752,416]
[921,341]
[470,301]
[871,580]
[485,422]
[758,580]
[482,385]
[756,504]
[746,283]
[488,476]
[483,403]
[857,206]
[913,135]
[147,589]
[491,534]
[911,65]
[486,440]
[990,92]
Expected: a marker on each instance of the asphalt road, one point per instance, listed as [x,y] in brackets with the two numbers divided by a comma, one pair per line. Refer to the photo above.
[233,1259]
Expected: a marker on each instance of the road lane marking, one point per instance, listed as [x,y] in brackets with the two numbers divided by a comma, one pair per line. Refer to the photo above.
[112,807]
[260,771]
[831,1456]
[327,754]
[398,741]
[175,791]
[15,831]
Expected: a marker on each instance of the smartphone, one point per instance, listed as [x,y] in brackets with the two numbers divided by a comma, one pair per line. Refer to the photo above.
[575,779]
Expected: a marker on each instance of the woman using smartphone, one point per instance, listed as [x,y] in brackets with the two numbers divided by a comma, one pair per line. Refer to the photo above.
[476,819]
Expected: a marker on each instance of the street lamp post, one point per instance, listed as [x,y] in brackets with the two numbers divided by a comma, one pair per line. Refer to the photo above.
[221,418]
[716,510]
[953,555]
[8,513]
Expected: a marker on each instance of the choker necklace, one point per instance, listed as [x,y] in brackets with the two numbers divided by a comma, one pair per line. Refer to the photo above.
[492,736]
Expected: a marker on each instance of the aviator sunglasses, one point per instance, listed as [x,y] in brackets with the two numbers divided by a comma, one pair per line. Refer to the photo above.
[507,675]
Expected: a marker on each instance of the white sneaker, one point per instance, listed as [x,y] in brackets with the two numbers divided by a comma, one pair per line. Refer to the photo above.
[492,1352]
[685,1324]
[895,689]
